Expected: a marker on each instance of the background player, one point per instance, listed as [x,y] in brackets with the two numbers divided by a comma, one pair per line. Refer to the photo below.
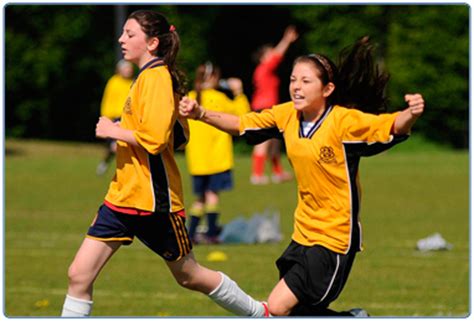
[211,164]
[113,100]
[266,94]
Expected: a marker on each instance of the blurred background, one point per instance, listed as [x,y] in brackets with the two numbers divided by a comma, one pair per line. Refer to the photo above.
[59,57]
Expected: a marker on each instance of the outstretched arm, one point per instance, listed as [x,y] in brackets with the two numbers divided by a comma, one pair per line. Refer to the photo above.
[405,120]
[226,122]
[289,36]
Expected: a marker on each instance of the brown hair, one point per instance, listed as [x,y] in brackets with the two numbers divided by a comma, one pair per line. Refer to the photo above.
[155,24]
[359,81]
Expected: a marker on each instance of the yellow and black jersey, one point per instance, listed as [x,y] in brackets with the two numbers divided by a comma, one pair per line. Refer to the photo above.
[147,178]
[325,162]
[210,151]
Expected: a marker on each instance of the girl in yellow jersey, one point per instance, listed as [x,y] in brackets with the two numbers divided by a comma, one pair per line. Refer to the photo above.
[335,117]
[145,197]
[115,94]
[210,164]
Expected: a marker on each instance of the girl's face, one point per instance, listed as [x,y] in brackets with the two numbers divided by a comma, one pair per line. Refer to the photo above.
[307,91]
[135,46]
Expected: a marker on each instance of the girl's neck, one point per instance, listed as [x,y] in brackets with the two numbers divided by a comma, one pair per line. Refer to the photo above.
[145,59]
[313,115]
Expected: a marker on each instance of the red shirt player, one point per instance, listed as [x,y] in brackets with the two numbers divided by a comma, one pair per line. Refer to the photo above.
[266,94]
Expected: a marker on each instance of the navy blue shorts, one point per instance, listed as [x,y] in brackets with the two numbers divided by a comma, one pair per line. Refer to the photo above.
[314,274]
[215,182]
[165,234]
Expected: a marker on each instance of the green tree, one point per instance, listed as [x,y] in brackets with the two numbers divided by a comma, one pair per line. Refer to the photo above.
[57,59]
[425,48]
[429,53]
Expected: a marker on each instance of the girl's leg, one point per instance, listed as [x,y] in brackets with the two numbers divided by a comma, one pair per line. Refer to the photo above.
[196,211]
[218,286]
[89,261]
[282,300]
[279,175]
[259,156]
[212,214]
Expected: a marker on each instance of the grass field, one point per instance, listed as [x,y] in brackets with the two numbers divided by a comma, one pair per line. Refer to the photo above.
[410,192]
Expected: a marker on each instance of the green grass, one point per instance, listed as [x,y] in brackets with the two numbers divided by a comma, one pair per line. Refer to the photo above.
[410,192]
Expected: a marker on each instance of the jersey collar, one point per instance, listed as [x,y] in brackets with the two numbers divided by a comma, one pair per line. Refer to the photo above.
[316,125]
[155,62]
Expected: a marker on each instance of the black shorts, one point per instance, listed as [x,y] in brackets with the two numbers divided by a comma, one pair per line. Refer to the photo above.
[314,274]
[216,182]
[165,234]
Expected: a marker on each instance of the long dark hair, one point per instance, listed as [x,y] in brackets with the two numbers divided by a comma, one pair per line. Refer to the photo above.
[155,24]
[359,81]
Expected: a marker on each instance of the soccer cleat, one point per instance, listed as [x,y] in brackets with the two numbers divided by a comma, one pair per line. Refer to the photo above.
[359,313]
[259,179]
[281,177]
[101,168]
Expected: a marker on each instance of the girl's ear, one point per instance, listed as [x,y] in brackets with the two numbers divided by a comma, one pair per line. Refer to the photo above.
[328,89]
[152,44]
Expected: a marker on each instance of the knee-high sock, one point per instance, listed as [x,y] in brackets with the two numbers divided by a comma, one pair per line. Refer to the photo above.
[196,214]
[276,165]
[258,164]
[74,307]
[212,214]
[229,296]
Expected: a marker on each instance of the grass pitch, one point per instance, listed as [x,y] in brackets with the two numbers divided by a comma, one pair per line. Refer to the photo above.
[410,192]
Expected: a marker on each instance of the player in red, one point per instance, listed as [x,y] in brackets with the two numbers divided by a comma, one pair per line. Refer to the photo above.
[266,94]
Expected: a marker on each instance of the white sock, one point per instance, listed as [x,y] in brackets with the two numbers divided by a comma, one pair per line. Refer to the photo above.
[229,296]
[74,307]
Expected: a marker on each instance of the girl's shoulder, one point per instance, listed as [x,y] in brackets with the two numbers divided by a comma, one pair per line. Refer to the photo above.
[343,111]
[154,77]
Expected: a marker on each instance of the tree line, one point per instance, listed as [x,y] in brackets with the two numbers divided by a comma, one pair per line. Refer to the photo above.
[59,57]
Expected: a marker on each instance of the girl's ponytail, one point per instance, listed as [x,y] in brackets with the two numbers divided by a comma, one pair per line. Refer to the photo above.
[361,83]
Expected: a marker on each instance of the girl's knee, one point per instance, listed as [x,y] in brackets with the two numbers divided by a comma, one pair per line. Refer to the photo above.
[186,281]
[78,276]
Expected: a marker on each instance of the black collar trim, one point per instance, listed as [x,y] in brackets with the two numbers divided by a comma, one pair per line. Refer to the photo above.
[315,126]
[156,62]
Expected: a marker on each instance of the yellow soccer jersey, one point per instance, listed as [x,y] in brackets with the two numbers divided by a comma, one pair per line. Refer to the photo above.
[115,94]
[210,151]
[325,162]
[147,178]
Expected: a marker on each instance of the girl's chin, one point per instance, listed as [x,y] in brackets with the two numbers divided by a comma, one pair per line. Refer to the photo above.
[299,106]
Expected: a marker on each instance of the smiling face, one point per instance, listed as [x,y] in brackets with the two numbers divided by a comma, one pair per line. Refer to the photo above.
[307,91]
[136,46]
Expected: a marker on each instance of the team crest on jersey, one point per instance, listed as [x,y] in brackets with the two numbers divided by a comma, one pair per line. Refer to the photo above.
[326,155]
[127,108]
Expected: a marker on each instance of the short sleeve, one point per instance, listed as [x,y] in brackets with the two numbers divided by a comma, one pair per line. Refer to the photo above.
[357,126]
[157,111]
[259,127]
